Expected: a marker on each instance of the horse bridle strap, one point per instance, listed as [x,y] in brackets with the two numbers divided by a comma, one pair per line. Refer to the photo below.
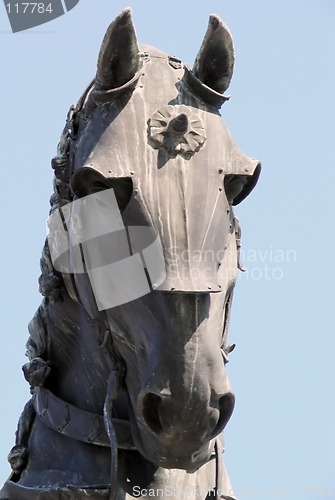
[79,424]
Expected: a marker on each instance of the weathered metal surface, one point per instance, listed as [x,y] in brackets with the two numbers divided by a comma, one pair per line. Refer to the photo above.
[131,400]
[182,197]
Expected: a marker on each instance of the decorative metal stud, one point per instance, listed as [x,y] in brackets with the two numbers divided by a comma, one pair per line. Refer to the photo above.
[176,130]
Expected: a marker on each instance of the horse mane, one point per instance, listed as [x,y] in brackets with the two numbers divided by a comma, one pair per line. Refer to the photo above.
[51,282]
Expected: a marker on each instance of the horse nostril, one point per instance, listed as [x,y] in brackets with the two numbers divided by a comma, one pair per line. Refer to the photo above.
[226,407]
[151,406]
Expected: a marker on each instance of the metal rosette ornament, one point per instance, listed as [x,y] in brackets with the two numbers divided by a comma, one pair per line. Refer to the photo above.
[177,130]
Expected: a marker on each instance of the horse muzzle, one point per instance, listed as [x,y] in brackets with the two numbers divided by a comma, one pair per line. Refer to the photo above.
[176,435]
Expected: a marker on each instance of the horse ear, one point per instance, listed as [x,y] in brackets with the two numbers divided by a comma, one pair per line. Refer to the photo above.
[214,63]
[119,55]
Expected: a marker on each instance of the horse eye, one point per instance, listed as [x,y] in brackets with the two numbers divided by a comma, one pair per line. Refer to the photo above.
[88,181]
[233,185]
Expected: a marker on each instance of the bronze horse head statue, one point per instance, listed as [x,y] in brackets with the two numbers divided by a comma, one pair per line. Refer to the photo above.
[127,353]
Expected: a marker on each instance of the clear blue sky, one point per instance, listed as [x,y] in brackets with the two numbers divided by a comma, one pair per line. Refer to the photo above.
[280,441]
